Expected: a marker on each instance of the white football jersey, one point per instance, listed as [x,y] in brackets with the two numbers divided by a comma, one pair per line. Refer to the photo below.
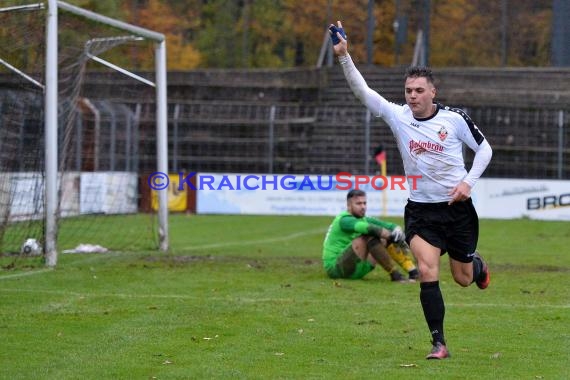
[432,147]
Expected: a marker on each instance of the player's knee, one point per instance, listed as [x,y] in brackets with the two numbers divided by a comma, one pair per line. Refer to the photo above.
[359,245]
[462,279]
[462,273]
[428,267]
[373,243]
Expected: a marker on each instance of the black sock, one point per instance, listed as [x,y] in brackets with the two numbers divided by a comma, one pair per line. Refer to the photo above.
[477,268]
[434,309]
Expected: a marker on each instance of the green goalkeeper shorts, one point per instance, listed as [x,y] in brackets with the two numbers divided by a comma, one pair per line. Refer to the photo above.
[349,265]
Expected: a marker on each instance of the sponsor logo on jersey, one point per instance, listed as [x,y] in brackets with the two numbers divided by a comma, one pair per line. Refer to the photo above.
[419,147]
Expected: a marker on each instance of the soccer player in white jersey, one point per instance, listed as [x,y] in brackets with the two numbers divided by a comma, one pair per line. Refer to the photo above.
[439,216]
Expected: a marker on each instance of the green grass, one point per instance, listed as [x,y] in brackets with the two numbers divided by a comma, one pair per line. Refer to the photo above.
[117,232]
[246,297]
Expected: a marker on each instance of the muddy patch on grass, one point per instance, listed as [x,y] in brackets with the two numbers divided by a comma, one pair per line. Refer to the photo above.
[252,262]
[527,268]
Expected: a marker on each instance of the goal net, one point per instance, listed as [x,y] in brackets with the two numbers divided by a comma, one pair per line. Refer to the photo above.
[108,110]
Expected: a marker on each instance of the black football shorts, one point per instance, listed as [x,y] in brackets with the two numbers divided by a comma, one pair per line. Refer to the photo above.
[452,228]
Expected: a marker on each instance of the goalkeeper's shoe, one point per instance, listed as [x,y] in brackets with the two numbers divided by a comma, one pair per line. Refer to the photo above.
[414,275]
[485,276]
[438,351]
[396,276]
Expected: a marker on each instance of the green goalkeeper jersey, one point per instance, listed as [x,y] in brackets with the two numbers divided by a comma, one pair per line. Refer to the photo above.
[343,230]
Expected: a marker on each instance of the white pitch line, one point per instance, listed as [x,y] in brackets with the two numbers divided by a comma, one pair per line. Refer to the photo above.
[23,274]
[239,299]
[251,242]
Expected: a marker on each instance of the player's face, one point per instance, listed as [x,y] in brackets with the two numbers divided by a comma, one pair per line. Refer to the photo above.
[419,96]
[357,206]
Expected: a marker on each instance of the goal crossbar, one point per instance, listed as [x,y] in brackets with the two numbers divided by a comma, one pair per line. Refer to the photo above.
[150,34]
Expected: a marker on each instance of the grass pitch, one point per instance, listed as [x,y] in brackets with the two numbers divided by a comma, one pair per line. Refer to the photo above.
[246,297]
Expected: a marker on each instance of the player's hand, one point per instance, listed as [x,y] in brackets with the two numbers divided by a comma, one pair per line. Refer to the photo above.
[460,193]
[397,236]
[341,48]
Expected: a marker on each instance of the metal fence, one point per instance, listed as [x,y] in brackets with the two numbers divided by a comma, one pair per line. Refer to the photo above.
[292,138]
[283,138]
[527,142]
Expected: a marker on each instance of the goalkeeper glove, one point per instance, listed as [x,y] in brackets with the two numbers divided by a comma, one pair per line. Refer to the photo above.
[397,236]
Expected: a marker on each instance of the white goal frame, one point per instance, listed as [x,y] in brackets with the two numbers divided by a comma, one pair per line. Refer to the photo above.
[51,118]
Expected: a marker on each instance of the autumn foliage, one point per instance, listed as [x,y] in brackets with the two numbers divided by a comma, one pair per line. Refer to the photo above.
[290,33]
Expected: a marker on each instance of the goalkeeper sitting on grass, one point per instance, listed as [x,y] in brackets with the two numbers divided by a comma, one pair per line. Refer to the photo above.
[355,244]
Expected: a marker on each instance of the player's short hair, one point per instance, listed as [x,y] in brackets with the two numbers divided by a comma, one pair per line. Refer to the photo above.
[420,72]
[355,193]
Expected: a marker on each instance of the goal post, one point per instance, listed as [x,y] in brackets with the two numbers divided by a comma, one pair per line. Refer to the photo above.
[84,122]
[51,126]
[51,118]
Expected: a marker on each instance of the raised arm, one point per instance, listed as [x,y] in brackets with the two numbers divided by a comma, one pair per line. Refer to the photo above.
[368,97]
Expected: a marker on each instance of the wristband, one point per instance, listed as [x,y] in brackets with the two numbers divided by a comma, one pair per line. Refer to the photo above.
[344,59]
